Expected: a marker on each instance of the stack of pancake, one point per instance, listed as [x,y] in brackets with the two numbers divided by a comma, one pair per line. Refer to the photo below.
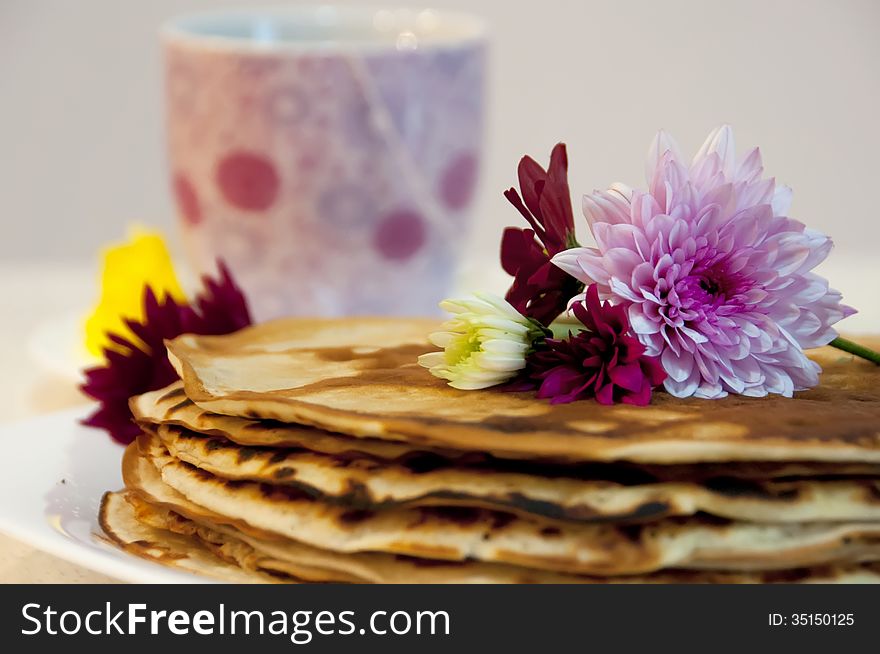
[319,450]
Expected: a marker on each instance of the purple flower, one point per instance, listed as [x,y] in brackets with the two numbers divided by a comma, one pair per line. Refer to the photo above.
[715,277]
[133,368]
[604,361]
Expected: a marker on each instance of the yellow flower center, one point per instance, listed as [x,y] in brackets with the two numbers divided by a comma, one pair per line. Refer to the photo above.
[463,347]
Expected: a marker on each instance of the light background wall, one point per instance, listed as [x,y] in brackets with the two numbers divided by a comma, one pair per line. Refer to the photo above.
[82,149]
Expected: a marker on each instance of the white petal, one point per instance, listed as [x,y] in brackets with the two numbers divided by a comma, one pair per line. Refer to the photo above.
[781,201]
[661,144]
[622,290]
[453,306]
[442,339]
[501,305]
[640,323]
[472,385]
[504,346]
[500,323]
[708,391]
[684,388]
[679,367]
[495,363]
[720,141]
[432,359]
[621,189]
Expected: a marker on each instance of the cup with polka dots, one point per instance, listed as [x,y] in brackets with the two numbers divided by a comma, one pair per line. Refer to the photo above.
[328,155]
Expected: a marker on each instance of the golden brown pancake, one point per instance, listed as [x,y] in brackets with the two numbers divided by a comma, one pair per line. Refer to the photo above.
[359,376]
[117,519]
[170,406]
[161,507]
[364,482]
[465,533]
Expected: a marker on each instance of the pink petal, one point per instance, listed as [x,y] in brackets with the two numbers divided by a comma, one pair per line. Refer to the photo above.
[661,144]
[628,376]
[721,142]
[680,366]
[584,264]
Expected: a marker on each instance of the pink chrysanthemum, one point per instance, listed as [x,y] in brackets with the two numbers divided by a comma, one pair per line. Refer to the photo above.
[716,278]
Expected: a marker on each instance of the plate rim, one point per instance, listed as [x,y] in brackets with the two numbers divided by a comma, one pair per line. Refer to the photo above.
[102,557]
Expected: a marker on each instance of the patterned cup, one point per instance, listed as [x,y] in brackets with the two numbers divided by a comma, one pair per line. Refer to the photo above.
[328,155]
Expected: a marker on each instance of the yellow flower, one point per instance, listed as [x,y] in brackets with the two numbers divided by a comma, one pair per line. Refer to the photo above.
[128,269]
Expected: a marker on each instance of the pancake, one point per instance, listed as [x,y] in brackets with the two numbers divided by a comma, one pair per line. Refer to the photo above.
[367,483]
[230,548]
[117,519]
[170,406]
[360,377]
[465,533]
[153,500]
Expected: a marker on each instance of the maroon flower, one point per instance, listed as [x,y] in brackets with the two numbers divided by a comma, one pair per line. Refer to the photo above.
[604,361]
[132,368]
[540,290]
[221,307]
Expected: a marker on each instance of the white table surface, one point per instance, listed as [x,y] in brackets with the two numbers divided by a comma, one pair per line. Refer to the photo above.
[32,294]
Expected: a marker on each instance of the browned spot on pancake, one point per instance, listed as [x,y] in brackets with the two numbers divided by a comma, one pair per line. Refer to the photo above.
[356,493]
[461,515]
[247,453]
[280,455]
[422,462]
[872,491]
[356,515]
[500,520]
[178,406]
[429,563]
[213,444]
[284,472]
[543,507]
[288,493]
[261,425]
[551,531]
[793,575]
[632,533]
[744,488]
[173,393]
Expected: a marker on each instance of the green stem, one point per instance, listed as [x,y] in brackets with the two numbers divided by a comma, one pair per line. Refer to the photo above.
[854,348]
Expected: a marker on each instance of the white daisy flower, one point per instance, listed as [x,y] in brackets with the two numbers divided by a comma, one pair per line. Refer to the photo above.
[484,344]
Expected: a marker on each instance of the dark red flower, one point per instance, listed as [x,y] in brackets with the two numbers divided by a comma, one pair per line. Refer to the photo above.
[132,368]
[540,290]
[221,307]
[602,361]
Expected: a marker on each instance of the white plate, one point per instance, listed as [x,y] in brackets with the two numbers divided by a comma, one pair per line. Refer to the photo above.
[56,471]
[57,346]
